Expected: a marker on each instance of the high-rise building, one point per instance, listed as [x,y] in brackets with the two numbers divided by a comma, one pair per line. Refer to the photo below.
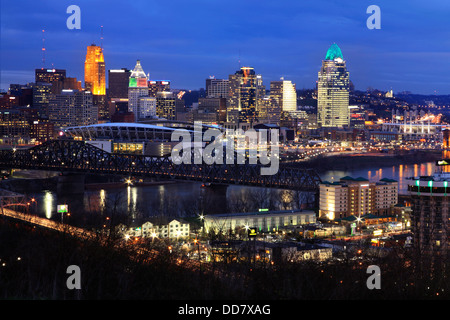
[155,86]
[42,92]
[147,107]
[284,93]
[94,70]
[137,88]
[54,76]
[217,88]
[166,105]
[333,88]
[357,197]
[430,216]
[211,110]
[246,92]
[95,80]
[118,80]
[72,108]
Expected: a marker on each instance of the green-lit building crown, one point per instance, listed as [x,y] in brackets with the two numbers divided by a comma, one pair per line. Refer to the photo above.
[334,52]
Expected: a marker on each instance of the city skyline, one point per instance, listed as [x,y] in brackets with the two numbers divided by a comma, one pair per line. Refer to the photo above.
[191,42]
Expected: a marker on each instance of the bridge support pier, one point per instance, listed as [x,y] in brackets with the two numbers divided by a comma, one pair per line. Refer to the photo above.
[71,183]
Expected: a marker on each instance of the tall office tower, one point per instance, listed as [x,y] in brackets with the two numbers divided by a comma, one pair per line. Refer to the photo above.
[430,216]
[155,86]
[54,76]
[72,108]
[269,110]
[42,92]
[166,105]
[147,107]
[118,83]
[137,87]
[357,197]
[94,70]
[333,90]
[244,96]
[217,88]
[284,93]
[95,79]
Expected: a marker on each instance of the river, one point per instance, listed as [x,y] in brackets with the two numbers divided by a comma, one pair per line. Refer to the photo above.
[183,198]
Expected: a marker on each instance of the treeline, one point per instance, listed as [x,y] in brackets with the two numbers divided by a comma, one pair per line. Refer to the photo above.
[34,265]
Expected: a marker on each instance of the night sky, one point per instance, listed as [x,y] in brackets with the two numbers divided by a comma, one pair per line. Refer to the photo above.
[188,41]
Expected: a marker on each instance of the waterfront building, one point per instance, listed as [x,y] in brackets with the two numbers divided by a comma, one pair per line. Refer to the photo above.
[157,228]
[430,216]
[357,197]
[264,221]
[333,88]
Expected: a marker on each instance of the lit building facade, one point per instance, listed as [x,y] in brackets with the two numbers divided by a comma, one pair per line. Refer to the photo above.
[54,76]
[166,105]
[357,197]
[94,70]
[284,94]
[245,94]
[333,88]
[264,221]
[217,88]
[72,108]
[137,88]
[430,216]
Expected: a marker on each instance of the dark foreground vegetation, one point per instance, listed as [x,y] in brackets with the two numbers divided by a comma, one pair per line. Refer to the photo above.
[34,265]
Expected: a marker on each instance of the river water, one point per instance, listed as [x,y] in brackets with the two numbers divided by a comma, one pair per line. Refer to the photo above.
[95,207]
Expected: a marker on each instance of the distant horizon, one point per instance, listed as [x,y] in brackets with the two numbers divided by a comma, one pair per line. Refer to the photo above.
[195,40]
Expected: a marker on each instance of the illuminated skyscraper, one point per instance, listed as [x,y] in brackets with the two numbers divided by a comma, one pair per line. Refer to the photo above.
[95,79]
[137,88]
[94,71]
[245,95]
[333,90]
[284,93]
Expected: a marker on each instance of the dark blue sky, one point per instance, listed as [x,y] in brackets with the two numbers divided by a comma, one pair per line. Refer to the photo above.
[187,41]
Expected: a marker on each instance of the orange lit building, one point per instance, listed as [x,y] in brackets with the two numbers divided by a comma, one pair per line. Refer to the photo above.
[94,71]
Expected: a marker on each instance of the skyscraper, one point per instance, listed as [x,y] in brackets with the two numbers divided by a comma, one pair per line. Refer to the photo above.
[54,76]
[333,90]
[245,95]
[95,79]
[72,108]
[94,70]
[137,88]
[284,93]
[216,88]
[118,83]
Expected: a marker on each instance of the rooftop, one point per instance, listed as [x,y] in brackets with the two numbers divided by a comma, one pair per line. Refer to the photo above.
[334,52]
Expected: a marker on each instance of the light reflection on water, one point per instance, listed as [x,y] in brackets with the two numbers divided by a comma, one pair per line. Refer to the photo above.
[156,200]
[401,173]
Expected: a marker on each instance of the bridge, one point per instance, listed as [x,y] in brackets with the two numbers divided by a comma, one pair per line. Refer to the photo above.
[72,156]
